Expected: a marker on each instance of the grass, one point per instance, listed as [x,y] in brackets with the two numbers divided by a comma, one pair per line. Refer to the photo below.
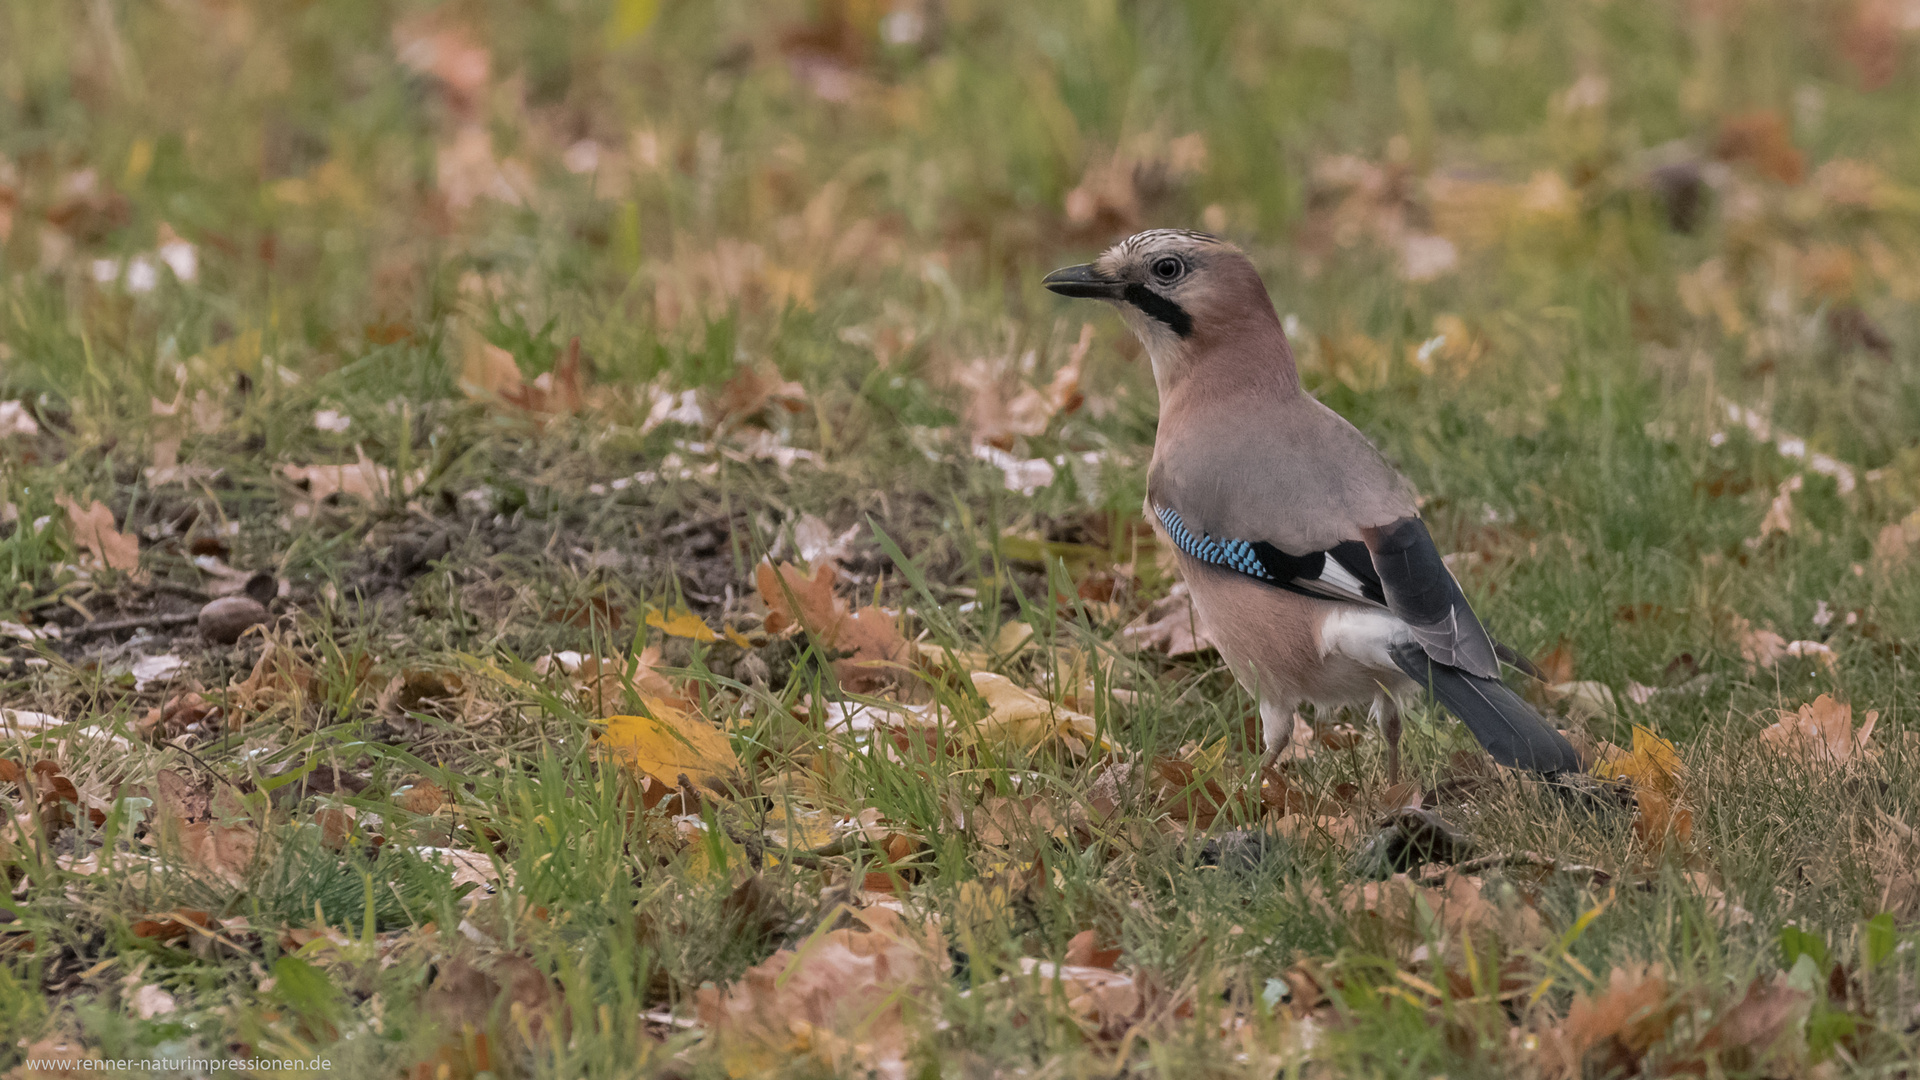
[859,198]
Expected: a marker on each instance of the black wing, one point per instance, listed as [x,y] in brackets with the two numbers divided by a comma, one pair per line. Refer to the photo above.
[1422,591]
[1514,734]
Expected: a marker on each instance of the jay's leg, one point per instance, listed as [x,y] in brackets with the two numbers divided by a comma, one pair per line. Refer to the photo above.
[1276,731]
[1386,713]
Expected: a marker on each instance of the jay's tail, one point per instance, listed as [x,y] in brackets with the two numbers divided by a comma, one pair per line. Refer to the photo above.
[1512,732]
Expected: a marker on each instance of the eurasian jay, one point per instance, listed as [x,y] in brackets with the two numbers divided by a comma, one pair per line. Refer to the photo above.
[1309,566]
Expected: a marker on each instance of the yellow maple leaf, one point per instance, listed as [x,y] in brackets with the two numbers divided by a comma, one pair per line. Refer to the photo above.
[1652,763]
[670,743]
[1021,717]
[681,623]
[1654,769]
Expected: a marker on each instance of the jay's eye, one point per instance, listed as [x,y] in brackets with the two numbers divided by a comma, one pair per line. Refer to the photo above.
[1168,268]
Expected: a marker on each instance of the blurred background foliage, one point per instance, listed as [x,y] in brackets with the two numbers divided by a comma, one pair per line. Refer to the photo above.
[1539,251]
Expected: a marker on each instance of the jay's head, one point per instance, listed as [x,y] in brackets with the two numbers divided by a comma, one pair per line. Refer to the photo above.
[1182,293]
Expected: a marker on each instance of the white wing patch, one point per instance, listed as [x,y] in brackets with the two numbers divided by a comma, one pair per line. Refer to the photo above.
[1343,581]
[1363,636]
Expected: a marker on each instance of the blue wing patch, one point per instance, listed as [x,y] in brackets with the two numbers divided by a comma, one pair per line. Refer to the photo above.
[1233,554]
[1345,572]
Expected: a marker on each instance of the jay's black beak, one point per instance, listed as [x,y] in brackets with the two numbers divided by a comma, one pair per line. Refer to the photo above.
[1084,281]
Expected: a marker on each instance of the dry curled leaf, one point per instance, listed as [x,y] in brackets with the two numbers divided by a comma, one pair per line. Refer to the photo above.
[1654,769]
[361,479]
[840,999]
[1755,1023]
[489,373]
[1763,140]
[500,1000]
[209,833]
[435,43]
[1608,1031]
[681,623]
[751,391]
[878,654]
[1171,626]
[278,678]
[1105,1002]
[1822,734]
[93,530]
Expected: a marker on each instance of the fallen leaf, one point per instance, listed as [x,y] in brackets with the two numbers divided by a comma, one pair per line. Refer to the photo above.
[1171,626]
[278,678]
[434,43]
[1895,542]
[172,719]
[680,623]
[332,421]
[466,867]
[878,655]
[1002,406]
[1023,718]
[496,1002]
[362,479]
[336,826]
[1178,788]
[1821,733]
[1718,906]
[1024,475]
[1654,769]
[671,743]
[600,683]
[1116,190]
[1762,139]
[93,529]
[1556,664]
[490,373]
[209,835]
[1585,699]
[1425,256]
[1757,1021]
[148,670]
[1608,1032]
[814,541]
[148,1001]
[16,421]
[422,798]
[1894,854]
[467,170]
[1106,1002]
[1083,950]
[487,371]
[1764,648]
[840,999]
[1002,822]
[794,599]
[1873,40]
[1779,516]
[751,391]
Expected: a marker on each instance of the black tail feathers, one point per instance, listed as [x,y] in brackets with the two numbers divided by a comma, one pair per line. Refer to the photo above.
[1514,734]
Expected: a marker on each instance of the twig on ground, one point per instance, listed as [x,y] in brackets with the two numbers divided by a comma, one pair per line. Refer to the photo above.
[1502,860]
[136,622]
